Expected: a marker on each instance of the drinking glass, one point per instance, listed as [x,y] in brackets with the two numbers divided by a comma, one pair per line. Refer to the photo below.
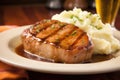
[107,9]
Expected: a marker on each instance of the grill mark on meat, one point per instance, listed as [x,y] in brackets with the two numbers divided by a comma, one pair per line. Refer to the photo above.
[48,31]
[71,39]
[41,25]
[81,42]
[61,34]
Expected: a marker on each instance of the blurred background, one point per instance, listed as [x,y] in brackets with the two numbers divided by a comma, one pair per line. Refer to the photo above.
[14,2]
[24,12]
[63,3]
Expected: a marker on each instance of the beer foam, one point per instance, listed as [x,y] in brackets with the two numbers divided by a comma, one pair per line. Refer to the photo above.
[101,34]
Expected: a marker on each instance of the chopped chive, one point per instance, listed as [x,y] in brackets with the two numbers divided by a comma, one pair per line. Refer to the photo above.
[37,30]
[78,18]
[57,40]
[53,26]
[61,24]
[71,16]
[99,28]
[90,14]
[73,33]
[48,20]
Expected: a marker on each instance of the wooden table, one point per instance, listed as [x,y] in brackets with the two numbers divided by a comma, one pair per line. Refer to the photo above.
[29,14]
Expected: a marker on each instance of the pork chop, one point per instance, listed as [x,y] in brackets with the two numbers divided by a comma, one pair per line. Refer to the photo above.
[58,41]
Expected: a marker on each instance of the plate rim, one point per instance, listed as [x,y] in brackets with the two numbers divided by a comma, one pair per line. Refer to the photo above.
[39,66]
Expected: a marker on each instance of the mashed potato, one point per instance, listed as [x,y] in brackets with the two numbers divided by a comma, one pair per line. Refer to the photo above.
[101,34]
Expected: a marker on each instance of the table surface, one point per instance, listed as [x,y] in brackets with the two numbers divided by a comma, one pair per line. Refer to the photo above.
[29,14]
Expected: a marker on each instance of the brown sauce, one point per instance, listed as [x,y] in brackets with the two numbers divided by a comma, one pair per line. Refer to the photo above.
[20,51]
[95,58]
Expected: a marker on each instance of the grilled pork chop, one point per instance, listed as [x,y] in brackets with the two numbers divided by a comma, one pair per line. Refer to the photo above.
[57,41]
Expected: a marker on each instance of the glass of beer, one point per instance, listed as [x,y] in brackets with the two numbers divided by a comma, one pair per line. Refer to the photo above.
[107,9]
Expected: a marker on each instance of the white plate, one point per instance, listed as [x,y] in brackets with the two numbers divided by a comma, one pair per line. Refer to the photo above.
[11,38]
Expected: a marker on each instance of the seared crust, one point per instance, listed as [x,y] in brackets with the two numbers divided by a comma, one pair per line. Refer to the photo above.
[59,41]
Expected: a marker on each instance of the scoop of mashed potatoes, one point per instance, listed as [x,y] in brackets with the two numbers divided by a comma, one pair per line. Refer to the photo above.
[100,34]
